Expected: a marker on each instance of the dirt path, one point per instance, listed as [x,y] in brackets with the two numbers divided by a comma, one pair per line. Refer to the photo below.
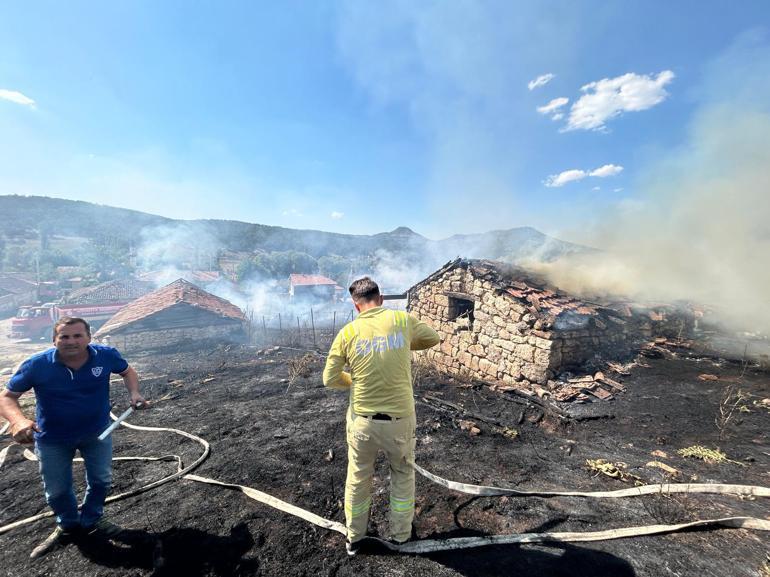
[13,351]
[275,434]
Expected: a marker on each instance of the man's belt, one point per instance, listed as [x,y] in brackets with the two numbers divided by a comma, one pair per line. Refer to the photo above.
[379,417]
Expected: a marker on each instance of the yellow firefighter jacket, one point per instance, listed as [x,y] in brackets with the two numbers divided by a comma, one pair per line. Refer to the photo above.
[377,347]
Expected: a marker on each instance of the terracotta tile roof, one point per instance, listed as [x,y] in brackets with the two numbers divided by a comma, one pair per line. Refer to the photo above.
[114,291]
[310,279]
[199,276]
[179,291]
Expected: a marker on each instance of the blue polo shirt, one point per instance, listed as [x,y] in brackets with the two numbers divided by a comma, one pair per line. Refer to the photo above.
[71,405]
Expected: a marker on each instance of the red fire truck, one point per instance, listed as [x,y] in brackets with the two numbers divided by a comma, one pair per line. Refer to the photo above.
[36,322]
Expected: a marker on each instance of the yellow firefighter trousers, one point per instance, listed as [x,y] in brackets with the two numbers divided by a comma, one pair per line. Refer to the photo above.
[397,440]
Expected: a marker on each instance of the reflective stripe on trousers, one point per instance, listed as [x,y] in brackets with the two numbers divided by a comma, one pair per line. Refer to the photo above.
[397,440]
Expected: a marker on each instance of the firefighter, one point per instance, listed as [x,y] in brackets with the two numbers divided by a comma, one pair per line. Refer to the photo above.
[377,347]
[72,390]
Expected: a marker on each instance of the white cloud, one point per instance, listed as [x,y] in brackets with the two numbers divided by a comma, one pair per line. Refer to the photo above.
[553,105]
[563,178]
[617,190]
[607,170]
[337,215]
[17,97]
[557,116]
[291,212]
[540,81]
[609,97]
[556,180]
[597,188]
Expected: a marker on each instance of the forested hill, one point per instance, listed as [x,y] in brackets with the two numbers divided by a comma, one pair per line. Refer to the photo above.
[29,218]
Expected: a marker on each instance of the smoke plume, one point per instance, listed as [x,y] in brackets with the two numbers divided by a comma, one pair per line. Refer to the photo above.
[700,230]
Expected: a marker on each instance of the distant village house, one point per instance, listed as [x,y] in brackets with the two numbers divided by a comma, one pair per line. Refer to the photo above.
[114,291]
[176,315]
[313,287]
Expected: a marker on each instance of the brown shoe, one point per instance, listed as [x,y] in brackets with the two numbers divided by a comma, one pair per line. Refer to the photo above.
[58,538]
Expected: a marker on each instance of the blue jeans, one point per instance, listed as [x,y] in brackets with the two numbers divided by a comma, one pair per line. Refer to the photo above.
[56,469]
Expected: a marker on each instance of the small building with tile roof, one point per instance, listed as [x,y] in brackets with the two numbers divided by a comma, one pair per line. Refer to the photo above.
[114,291]
[504,324]
[180,314]
[314,287]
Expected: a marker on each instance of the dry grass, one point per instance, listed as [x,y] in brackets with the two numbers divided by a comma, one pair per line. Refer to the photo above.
[731,402]
[670,509]
[465,378]
[614,470]
[508,432]
[300,367]
[710,456]
[422,370]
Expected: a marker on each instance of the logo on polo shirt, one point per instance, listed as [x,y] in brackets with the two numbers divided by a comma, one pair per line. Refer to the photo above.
[96,371]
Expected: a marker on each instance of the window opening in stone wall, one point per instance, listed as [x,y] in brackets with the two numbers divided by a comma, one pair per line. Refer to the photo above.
[461,311]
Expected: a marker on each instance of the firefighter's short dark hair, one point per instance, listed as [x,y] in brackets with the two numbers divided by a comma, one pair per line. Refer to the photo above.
[67,321]
[364,290]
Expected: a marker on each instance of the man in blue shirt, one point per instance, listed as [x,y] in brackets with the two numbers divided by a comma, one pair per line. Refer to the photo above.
[72,392]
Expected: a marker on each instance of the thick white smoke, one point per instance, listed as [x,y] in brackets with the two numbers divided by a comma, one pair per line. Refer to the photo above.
[701,229]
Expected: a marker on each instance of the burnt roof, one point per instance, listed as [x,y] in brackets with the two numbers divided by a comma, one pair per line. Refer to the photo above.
[179,291]
[114,291]
[534,290]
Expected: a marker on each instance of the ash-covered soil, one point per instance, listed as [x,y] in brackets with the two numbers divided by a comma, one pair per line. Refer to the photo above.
[275,431]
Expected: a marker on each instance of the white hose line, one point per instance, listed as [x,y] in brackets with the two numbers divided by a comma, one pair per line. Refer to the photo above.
[431,545]
[30,456]
[181,471]
[435,545]
[663,488]
[276,503]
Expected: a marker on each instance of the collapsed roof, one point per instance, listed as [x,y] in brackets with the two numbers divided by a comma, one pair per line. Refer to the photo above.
[556,308]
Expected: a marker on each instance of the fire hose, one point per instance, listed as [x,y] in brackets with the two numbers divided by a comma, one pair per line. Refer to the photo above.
[435,545]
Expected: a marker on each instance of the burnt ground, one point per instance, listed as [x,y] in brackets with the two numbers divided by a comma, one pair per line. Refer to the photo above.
[274,433]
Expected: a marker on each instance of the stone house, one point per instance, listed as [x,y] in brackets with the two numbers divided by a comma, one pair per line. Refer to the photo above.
[501,323]
[176,315]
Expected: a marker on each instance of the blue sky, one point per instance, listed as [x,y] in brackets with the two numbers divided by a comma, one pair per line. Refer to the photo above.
[359,117]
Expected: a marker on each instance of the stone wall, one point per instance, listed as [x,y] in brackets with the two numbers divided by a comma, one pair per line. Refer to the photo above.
[499,344]
[159,339]
[601,338]
[506,341]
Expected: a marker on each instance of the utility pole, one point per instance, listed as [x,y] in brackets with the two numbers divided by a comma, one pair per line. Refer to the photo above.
[37,276]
